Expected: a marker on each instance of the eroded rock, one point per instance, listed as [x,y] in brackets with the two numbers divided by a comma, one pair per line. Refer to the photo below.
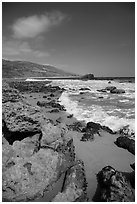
[74,188]
[114,186]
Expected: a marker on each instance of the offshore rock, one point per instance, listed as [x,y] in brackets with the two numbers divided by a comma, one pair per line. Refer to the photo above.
[126,143]
[110,88]
[74,188]
[114,186]
[117,91]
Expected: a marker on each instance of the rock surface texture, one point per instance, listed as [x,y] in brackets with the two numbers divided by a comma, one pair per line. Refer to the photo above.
[35,151]
[114,186]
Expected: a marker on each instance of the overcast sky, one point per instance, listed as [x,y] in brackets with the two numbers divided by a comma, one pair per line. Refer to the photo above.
[78,37]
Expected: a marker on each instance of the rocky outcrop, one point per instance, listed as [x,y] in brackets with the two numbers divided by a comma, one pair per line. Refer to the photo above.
[126,143]
[9,94]
[93,128]
[74,187]
[51,104]
[33,86]
[35,154]
[114,187]
[76,126]
[87,77]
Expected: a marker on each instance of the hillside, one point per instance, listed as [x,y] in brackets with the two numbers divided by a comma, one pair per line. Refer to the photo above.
[13,69]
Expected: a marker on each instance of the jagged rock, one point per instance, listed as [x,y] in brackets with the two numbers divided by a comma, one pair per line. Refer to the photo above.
[74,188]
[50,104]
[109,82]
[21,120]
[30,87]
[117,91]
[114,186]
[126,143]
[93,128]
[76,126]
[28,178]
[9,94]
[126,131]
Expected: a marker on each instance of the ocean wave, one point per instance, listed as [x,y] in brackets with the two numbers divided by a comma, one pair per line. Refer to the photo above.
[95,113]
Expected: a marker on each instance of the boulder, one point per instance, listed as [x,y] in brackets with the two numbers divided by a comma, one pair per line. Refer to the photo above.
[50,134]
[114,187]
[74,187]
[21,120]
[28,178]
[117,91]
[126,143]
[133,166]
[91,129]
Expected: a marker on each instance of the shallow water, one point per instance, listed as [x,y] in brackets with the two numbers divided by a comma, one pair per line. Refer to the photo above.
[98,154]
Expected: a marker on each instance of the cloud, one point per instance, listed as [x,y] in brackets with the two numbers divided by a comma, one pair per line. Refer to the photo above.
[14,48]
[32,26]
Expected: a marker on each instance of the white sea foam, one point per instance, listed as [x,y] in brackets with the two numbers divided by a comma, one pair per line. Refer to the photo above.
[95,113]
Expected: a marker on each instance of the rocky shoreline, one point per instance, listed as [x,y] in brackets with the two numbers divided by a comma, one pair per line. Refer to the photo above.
[38,147]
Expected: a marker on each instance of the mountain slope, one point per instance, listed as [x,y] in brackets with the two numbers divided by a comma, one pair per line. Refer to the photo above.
[13,69]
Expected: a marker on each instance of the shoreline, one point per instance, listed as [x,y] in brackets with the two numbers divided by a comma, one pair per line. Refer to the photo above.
[95,154]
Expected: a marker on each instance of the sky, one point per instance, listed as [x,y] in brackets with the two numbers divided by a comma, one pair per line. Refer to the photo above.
[78,37]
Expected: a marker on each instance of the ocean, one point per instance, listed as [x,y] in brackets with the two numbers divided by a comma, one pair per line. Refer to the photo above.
[112,110]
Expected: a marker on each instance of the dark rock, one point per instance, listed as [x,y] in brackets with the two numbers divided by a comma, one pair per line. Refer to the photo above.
[50,104]
[54,111]
[83,89]
[44,96]
[81,92]
[51,95]
[76,126]
[110,88]
[70,116]
[100,97]
[102,90]
[126,143]
[87,77]
[91,129]
[114,186]
[117,91]
[74,187]
[109,82]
